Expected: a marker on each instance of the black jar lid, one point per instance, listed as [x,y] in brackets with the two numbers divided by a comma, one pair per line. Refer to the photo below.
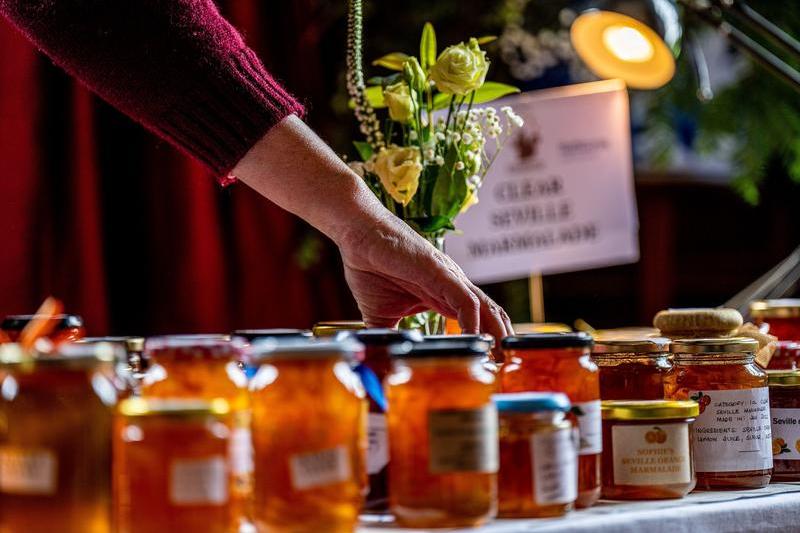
[18,322]
[434,349]
[386,336]
[469,337]
[251,335]
[536,341]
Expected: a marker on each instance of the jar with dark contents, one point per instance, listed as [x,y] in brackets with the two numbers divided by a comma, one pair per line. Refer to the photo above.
[732,433]
[561,362]
[786,356]
[632,369]
[68,328]
[784,404]
[373,370]
[782,315]
[647,449]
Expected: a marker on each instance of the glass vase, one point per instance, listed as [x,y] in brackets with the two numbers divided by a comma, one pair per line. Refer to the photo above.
[427,322]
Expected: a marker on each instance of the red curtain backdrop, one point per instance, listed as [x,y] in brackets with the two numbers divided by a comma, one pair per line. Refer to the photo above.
[134,236]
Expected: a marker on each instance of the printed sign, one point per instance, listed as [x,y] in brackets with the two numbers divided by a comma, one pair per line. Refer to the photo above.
[560,195]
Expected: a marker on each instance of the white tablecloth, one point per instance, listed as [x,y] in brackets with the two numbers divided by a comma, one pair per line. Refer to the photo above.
[774,508]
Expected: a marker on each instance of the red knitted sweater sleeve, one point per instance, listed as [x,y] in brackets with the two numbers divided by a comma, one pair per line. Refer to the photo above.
[176,66]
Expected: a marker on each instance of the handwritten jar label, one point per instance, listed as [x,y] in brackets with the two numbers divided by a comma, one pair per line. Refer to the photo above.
[785,434]
[651,455]
[555,467]
[732,432]
[590,427]
[377,443]
[28,471]
[463,440]
[198,481]
[318,469]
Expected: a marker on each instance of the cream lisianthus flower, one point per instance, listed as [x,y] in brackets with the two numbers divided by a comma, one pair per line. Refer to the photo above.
[398,100]
[460,68]
[399,169]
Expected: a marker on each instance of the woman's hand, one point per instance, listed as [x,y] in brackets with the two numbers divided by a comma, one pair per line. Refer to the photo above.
[392,271]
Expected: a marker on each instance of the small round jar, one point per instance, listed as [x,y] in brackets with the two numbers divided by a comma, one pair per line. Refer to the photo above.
[782,315]
[784,404]
[632,369]
[442,435]
[68,328]
[333,328]
[647,449]
[732,442]
[561,362]
[786,356]
[538,474]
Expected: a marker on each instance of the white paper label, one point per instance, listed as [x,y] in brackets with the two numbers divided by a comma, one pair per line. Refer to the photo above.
[785,434]
[651,455]
[732,432]
[590,427]
[28,471]
[198,481]
[317,469]
[463,440]
[241,452]
[555,467]
[378,443]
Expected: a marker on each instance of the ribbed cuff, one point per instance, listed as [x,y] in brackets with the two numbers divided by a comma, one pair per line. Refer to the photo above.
[221,120]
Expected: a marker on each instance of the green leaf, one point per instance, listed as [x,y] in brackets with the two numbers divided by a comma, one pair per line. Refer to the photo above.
[393,61]
[385,81]
[364,149]
[486,39]
[489,91]
[374,97]
[427,47]
[433,224]
[450,189]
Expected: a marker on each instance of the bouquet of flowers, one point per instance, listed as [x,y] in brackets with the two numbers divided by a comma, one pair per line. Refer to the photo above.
[427,147]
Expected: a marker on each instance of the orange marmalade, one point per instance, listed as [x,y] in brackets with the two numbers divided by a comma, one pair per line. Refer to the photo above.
[442,435]
[309,436]
[732,435]
[647,449]
[55,453]
[784,405]
[171,466]
[632,369]
[538,474]
[561,362]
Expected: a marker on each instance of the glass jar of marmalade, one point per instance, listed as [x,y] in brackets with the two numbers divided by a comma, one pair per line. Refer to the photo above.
[561,362]
[442,435]
[309,435]
[786,356]
[632,369]
[538,474]
[782,315]
[55,453]
[68,328]
[732,437]
[647,449]
[372,371]
[171,466]
[333,328]
[784,405]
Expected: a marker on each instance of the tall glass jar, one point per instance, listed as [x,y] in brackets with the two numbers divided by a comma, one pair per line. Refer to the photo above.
[732,433]
[538,474]
[632,369]
[309,436]
[784,405]
[55,451]
[372,371]
[68,328]
[171,466]
[561,362]
[782,315]
[442,435]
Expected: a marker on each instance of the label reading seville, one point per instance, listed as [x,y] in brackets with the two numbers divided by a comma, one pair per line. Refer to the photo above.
[786,433]
[651,455]
[463,440]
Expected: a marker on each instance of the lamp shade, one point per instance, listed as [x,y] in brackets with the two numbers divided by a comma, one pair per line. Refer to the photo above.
[638,46]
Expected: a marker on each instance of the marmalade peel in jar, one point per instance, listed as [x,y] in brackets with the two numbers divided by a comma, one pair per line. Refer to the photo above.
[561,362]
[171,466]
[309,435]
[647,449]
[784,404]
[732,436]
[538,474]
[632,369]
[442,435]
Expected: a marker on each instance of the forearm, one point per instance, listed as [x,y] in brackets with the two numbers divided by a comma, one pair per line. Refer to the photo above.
[295,169]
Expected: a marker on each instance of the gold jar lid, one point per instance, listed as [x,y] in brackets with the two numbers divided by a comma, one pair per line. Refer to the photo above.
[541,327]
[780,308]
[649,409]
[650,345]
[173,408]
[744,345]
[783,378]
[331,328]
